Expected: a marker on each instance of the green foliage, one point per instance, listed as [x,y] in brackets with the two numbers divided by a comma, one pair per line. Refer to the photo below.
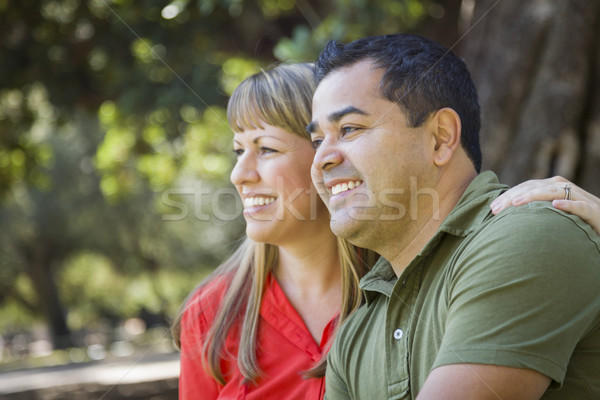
[235,70]
[108,256]
[351,20]
[113,294]
[114,146]
[16,317]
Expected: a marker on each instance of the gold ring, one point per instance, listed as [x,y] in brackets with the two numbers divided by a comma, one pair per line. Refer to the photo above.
[567,188]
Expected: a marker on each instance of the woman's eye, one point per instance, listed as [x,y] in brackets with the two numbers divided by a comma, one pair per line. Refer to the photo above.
[316,142]
[238,152]
[266,150]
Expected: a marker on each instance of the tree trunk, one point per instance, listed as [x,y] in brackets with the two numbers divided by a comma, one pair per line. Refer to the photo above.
[536,67]
[42,277]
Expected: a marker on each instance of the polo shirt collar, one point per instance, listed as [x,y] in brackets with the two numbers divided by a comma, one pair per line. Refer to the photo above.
[472,208]
[470,212]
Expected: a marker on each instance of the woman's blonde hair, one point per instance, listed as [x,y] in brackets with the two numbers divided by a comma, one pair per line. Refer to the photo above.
[282,97]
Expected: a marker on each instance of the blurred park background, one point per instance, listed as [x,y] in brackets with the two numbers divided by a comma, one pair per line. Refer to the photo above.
[115,151]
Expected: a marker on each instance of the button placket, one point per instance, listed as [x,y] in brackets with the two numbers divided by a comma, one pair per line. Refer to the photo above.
[397,319]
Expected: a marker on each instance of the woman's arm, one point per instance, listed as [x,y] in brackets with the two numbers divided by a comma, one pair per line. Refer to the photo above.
[581,203]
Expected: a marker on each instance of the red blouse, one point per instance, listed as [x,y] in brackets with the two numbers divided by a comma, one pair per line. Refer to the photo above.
[285,349]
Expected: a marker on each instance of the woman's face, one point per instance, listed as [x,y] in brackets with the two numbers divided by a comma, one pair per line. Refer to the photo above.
[272,176]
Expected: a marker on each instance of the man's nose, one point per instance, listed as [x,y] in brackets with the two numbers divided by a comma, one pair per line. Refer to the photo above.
[327,156]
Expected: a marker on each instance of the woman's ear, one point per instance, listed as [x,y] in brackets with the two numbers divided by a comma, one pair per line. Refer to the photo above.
[447,130]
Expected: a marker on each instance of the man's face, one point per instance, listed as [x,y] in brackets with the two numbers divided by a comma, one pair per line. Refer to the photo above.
[366,157]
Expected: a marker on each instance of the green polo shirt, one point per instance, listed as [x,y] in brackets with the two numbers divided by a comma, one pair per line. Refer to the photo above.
[521,289]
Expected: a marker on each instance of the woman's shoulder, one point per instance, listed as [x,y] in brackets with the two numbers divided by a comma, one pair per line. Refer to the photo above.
[206,298]
[214,287]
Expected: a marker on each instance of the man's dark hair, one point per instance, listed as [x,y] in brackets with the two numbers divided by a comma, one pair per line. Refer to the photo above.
[420,75]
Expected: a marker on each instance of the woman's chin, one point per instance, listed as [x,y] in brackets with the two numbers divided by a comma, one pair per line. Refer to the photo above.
[257,234]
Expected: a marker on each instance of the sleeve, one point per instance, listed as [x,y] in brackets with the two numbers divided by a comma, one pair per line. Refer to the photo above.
[194,382]
[523,294]
[335,386]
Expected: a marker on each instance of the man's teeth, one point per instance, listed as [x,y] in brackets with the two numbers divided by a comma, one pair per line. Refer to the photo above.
[342,187]
[257,201]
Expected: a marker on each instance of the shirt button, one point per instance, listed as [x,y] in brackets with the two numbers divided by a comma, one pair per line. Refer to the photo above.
[398,334]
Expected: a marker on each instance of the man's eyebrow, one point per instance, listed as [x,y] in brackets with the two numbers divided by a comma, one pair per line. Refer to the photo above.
[335,117]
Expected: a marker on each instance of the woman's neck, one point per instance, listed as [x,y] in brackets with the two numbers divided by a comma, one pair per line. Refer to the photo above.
[311,266]
[310,277]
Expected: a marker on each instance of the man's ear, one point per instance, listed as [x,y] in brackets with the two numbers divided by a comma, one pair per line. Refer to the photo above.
[447,130]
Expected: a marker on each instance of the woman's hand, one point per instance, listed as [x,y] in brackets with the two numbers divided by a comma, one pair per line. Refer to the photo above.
[583,204]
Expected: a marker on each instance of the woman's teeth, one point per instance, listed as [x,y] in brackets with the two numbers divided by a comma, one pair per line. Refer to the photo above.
[257,201]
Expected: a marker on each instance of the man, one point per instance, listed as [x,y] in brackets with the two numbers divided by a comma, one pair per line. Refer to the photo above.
[462,305]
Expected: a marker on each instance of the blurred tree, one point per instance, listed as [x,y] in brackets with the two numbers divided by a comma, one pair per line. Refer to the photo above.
[114,146]
[111,112]
[67,219]
[538,85]
[152,58]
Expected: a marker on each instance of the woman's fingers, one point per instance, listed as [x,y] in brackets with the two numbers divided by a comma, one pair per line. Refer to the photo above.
[587,209]
[532,190]
[581,203]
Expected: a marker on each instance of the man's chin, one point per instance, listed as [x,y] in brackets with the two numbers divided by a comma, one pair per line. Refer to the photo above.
[347,228]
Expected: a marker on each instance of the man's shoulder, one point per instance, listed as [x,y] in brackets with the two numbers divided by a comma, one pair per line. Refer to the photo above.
[537,224]
[535,239]
[536,217]
[523,290]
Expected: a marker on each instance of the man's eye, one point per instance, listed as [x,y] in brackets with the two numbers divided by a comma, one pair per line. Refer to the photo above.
[317,142]
[348,129]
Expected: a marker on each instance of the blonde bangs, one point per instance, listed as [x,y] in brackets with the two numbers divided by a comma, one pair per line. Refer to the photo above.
[280,97]
[242,111]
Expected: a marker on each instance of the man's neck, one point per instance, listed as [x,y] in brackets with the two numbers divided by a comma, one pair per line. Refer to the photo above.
[417,234]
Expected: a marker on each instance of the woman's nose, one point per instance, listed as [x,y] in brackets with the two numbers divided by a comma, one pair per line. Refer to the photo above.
[244,170]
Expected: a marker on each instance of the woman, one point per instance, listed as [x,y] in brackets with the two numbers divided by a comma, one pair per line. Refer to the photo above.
[291,273]
[260,325]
